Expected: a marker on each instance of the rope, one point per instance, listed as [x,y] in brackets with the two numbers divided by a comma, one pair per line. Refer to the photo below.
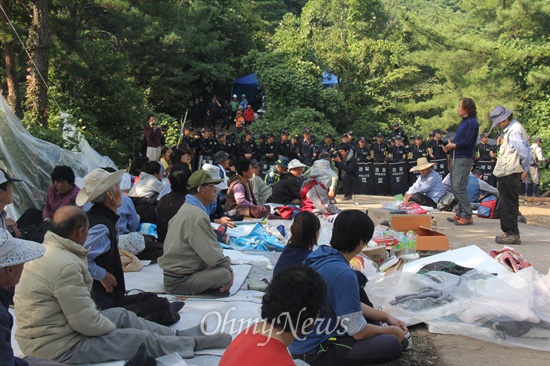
[30,58]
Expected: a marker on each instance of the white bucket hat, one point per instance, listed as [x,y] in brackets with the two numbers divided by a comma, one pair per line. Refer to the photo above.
[421,164]
[295,163]
[15,251]
[214,172]
[97,182]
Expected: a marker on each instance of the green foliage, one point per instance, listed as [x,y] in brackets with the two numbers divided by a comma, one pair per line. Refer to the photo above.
[295,122]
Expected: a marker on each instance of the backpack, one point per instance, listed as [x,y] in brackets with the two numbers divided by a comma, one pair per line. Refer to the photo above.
[488,208]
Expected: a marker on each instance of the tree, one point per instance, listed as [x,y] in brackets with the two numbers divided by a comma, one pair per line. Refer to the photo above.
[13,99]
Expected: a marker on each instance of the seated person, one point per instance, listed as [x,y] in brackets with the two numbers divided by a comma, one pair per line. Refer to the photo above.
[428,188]
[14,253]
[216,210]
[262,191]
[61,193]
[304,235]
[58,320]
[6,198]
[170,203]
[315,196]
[193,260]
[274,174]
[287,189]
[149,184]
[343,336]
[476,188]
[290,305]
[240,198]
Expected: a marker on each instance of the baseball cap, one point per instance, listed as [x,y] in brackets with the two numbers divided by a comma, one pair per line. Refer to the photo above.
[362,138]
[200,178]
[4,177]
[282,161]
[418,137]
[484,134]
[307,130]
[379,134]
[328,136]
[284,133]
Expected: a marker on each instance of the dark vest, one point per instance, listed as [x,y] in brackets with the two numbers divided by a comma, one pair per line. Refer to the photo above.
[110,260]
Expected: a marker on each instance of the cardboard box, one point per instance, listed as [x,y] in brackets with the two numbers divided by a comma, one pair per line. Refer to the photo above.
[376,254]
[427,240]
[378,215]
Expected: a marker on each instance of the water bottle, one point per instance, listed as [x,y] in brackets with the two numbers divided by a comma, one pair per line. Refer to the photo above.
[411,242]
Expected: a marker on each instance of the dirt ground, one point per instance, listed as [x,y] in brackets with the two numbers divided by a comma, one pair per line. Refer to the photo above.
[454,350]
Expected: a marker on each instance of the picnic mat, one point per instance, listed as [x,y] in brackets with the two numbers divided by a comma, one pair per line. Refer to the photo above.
[150,279]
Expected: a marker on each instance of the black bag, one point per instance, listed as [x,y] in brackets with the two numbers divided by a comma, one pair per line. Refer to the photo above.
[149,306]
[153,249]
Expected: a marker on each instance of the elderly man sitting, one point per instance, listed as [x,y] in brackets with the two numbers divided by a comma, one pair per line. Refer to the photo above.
[428,188]
[287,189]
[193,260]
[58,320]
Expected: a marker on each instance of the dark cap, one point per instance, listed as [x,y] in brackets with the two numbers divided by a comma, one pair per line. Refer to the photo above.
[254,163]
[379,134]
[204,130]
[4,177]
[418,137]
[269,134]
[432,134]
[362,138]
[284,133]
[484,134]
[344,135]
[282,161]
[296,136]
[439,131]
[189,128]
[220,156]
[350,132]
[328,136]
[396,124]
[248,132]
[399,137]
[306,131]
[262,136]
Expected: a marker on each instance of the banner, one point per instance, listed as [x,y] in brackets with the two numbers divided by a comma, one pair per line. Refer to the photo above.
[366,178]
[398,178]
[441,167]
[381,184]
[487,166]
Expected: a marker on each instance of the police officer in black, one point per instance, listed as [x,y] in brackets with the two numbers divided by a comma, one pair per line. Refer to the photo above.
[398,152]
[378,149]
[226,145]
[398,131]
[188,139]
[351,141]
[268,150]
[327,146]
[307,148]
[284,146]
[419,149]
[247,148]
[363,151]
[207,144]
[484,151]
[435,146]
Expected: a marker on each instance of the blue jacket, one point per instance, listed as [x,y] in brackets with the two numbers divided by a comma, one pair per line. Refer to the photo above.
[466,138]
[343,297]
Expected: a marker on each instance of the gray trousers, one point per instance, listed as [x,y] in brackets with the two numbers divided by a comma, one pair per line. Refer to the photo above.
[123,342]
[460,175]
[211,278]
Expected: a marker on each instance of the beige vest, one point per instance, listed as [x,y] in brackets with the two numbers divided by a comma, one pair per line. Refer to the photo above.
[509,161]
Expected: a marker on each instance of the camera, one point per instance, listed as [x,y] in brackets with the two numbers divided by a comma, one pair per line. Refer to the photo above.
[444,142]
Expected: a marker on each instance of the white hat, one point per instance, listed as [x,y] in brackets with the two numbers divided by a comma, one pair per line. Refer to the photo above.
[16,251]
[97,182]
[214,172]
[295,163]
[234,95]
[421,164]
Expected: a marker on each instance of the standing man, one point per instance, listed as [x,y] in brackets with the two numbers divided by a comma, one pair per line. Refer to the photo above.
[533,173]
[484,151]
[153,137]
[435,146]
[512,165]
[284,146]
[462,159]
[308,149]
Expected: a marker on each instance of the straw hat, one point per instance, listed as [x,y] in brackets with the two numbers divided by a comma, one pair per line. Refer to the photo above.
[421,164]
[15,251]
[214,172]
[97,182]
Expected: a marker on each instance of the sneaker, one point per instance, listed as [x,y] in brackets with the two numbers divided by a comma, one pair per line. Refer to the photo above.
[508,238]
[454,218]
[347,198]
[464,221]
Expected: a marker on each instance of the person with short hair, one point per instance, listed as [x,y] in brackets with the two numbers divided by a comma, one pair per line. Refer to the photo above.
[514,159]
[262,192]
[153,137]
[6,198]
[343,336]
[428,188]
[349,171]
[169,204]
[193,260]
[14,253]
[150,182]
[61,192]
[533,177]
[58,320]
[291,303]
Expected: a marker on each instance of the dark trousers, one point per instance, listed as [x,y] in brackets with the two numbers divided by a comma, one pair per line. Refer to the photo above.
[349,183]
[346,351]
[422,200]
[508,204]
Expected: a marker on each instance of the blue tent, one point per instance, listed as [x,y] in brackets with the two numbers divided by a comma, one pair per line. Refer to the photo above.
[329,80]
[246,85]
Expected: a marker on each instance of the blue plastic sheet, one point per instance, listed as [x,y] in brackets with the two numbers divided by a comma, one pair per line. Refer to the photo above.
[258,239]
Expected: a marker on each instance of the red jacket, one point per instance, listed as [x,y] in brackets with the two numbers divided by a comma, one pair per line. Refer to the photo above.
[248,115]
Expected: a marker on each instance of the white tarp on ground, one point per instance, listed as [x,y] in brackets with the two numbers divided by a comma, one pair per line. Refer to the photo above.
[489,303]
[32,160]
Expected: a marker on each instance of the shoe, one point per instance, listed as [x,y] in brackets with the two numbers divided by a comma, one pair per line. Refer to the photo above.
[454,218]
[347,198]
[464,221]
[508,238]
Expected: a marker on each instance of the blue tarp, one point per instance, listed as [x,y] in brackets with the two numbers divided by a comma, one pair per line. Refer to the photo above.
[329,80]
[248,85]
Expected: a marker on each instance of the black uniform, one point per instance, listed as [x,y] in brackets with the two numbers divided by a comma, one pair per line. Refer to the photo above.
[437,149]
[419,151]
[483,151]
[378,151]
[247,147]
[397,153]
[208,146]
[284,148]
[395,133]
[362,153]
[268,148]
[328,148]
[307,150]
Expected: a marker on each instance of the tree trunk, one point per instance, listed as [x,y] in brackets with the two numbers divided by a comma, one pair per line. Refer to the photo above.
[14,99]
[37,44]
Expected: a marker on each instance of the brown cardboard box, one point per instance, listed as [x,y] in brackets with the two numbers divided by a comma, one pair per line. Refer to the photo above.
[427,240]
[376,254]
[378,215]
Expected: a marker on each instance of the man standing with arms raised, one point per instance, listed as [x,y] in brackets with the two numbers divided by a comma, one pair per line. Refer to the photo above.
[462,159]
